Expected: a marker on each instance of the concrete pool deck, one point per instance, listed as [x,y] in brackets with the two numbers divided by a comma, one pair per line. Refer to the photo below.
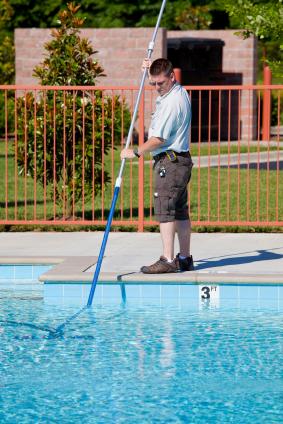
[219,257]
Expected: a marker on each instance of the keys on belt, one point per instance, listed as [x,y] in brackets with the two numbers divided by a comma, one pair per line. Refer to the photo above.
[162,172]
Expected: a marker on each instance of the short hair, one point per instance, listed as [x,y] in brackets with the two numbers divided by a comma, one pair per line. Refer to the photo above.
[160,66]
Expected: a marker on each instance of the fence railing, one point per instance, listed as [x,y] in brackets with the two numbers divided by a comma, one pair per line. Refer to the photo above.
[60,156]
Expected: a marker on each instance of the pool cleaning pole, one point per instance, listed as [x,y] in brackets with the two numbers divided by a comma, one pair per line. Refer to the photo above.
[119,178]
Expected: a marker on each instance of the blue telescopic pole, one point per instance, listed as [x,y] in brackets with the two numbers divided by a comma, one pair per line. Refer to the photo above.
[119,178]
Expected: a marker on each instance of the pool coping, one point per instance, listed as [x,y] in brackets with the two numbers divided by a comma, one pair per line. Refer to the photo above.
[73,269]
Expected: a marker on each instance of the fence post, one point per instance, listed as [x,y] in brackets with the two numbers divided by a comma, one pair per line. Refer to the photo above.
[178,74]
[266,104]
[141,168]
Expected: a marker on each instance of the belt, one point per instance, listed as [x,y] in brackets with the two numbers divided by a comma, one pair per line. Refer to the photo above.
[168,153]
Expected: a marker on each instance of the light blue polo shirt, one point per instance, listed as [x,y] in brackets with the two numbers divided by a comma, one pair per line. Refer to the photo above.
[171,120]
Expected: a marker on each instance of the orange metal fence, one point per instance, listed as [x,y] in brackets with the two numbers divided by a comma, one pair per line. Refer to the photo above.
[59,156]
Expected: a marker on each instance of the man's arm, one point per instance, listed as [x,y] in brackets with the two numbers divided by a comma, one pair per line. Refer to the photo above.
[151,144]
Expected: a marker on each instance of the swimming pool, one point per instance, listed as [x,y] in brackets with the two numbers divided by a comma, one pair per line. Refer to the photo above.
[165,355]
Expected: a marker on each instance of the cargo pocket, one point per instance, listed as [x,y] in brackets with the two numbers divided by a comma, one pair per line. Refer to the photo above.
[164,205]
[161,204]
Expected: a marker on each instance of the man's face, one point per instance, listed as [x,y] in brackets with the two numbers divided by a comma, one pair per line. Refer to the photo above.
[162,83]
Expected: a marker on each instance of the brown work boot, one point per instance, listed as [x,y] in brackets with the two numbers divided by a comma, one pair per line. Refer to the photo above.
[162,266]
[186,264]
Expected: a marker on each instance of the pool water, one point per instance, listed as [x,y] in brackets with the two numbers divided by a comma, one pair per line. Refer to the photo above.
[140,363]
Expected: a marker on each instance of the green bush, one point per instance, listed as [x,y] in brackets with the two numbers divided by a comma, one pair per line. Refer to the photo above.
[7,74]
[78,126]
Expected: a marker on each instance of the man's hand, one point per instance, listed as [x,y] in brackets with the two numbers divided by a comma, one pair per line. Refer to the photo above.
[127,154]
[146,65]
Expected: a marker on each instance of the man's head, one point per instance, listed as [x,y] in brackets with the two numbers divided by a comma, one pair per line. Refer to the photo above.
[161,75]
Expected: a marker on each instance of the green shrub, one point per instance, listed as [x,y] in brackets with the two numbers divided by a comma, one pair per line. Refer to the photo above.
[78,125]
[7,74]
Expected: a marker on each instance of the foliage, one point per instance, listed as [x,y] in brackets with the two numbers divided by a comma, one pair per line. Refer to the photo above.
[50,125]
[70,170]
[7,73]
[178,14]
[7,52]
[6,13]
[7,113]
[7,68]
[7,57]
[113,13]
[198,17]
[262,18]
[30,13]
[70,59]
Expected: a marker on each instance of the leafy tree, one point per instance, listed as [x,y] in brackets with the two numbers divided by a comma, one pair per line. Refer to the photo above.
[264,19]
[111,13]
[7,54]
[70,59]
[7,67]
[7,57]
[30,13]
[81,123]
[198,17]
[178,14]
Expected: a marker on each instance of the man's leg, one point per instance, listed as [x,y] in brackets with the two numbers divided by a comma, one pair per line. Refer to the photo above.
[184,258]
[166,262]
[184,235]
[167,232]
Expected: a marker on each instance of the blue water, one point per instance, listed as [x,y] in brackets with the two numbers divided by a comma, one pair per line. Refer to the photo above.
[140,363]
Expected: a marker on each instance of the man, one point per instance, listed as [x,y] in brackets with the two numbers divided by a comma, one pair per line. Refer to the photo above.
[169,144]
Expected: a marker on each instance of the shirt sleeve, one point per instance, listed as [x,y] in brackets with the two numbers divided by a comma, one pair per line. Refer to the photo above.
[166,123]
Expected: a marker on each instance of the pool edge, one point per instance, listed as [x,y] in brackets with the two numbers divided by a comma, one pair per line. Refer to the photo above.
[73,269]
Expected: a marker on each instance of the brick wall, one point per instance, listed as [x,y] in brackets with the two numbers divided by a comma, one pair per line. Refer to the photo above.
[120,52]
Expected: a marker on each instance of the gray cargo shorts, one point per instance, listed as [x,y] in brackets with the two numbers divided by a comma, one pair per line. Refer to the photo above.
[170,188]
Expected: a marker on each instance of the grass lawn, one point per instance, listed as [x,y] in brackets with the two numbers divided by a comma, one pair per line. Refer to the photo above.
[225,194]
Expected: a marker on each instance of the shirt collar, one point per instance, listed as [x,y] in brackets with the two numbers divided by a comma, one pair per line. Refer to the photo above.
[160,98]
